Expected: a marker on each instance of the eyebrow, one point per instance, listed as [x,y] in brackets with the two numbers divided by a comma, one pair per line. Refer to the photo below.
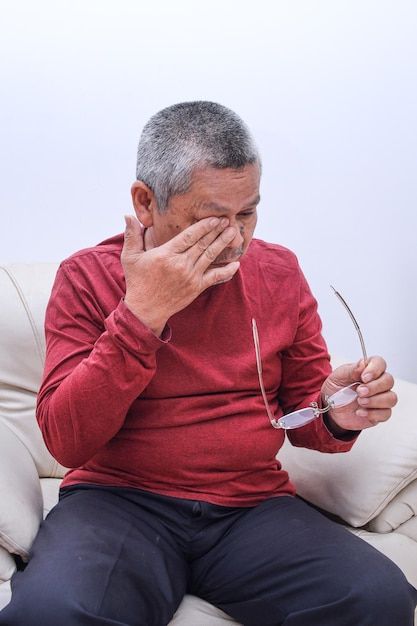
[214,206]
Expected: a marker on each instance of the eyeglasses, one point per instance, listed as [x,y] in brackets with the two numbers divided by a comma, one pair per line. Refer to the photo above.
[341,398]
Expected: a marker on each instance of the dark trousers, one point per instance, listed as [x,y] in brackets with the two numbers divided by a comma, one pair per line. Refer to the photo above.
[121,556]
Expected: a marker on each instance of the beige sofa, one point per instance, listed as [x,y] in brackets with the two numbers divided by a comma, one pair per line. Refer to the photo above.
[372,489]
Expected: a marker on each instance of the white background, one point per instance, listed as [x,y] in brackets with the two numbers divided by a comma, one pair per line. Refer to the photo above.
[327,87]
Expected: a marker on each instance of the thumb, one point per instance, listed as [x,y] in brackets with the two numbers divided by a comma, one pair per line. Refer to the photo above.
[133,240]
[341,376]
[345,375]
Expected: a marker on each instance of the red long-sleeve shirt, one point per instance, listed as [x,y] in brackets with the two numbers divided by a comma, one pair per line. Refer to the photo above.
[183,414]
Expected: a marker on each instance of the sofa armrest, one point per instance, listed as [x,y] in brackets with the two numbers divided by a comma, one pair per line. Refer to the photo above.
[20,495]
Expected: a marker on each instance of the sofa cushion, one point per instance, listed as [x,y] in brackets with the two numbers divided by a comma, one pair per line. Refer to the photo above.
[194,611]
[409,528]
[25,290]
[50,492]
[400,513]
[21,505]
[7,565]
[5,593]
[359,484]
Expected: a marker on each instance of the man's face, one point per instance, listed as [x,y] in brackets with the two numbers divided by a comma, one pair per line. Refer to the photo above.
[214,192]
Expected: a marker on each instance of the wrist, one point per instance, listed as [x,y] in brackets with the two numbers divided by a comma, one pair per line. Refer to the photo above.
[337,431]
[148,319]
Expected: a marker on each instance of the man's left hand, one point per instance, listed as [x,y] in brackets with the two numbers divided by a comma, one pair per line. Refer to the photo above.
[375,396]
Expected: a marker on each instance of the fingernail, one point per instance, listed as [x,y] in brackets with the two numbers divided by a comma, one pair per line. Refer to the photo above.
[214,221]
[366,378]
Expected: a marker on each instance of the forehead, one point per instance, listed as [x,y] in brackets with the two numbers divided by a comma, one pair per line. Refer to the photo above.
[213,188]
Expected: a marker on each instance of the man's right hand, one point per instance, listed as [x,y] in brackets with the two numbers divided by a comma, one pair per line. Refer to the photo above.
[165,279]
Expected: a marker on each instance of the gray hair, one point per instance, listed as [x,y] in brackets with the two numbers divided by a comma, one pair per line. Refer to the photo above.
[187,136]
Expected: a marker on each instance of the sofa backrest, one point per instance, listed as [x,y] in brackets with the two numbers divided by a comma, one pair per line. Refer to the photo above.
[24,294]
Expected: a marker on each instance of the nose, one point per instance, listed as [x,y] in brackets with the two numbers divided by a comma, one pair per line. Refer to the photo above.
[238,239]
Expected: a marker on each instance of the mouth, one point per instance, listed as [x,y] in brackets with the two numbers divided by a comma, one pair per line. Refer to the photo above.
[221,262]
[224,263]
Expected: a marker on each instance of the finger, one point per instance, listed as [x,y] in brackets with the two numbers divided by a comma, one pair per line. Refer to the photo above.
[373,416]
[189,237]
[375,408]
[214,242]
[203,243]
[212,251]
[218,275]
[386,399]
[370,370]
[379,386]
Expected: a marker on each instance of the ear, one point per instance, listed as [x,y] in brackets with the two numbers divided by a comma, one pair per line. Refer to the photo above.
[144,202]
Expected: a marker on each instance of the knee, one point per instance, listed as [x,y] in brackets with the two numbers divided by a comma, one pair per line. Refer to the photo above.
[38,614]
[38,610]
[385,597]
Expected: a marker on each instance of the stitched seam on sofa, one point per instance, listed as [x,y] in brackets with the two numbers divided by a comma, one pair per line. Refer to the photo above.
[28,313]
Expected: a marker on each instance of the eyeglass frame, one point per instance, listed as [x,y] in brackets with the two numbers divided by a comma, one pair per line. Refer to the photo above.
[342,397]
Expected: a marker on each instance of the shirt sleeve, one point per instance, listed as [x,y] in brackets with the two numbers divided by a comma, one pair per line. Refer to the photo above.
[99,358]
[305,366]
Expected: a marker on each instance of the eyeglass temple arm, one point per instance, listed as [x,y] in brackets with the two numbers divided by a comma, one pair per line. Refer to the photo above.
[355,323]
[259,366]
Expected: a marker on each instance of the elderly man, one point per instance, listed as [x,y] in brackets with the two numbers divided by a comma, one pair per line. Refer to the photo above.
[151,395]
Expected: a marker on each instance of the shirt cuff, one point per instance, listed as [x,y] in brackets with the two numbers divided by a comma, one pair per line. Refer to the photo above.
[132,334]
